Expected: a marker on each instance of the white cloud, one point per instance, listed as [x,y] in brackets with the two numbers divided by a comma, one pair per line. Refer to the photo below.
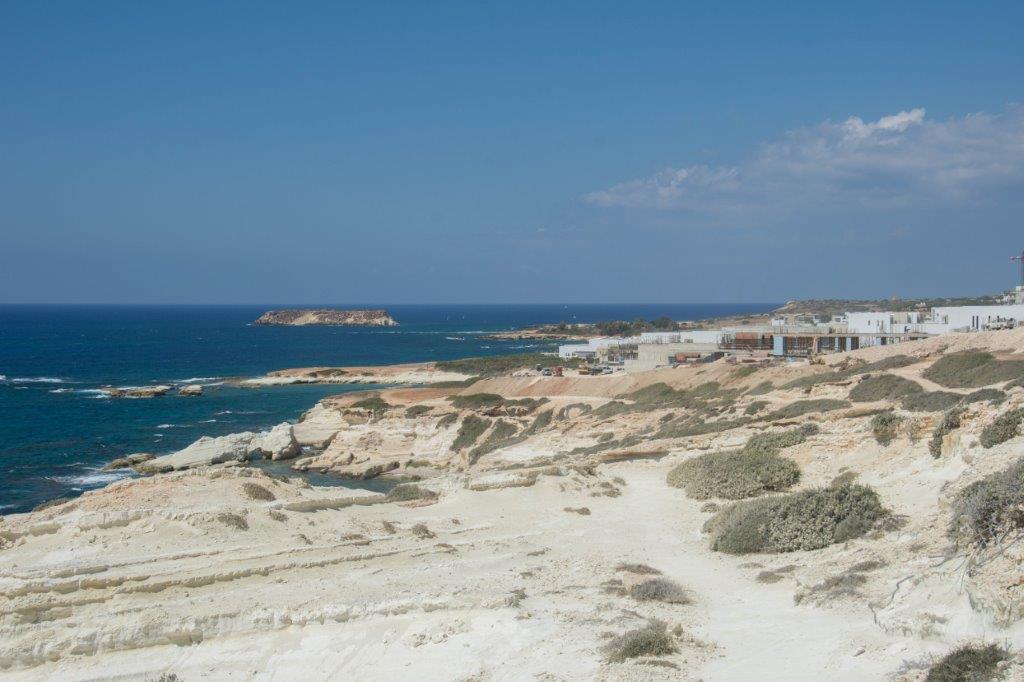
[899,161]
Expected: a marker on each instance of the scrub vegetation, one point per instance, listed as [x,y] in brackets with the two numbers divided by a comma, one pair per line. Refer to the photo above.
[950,422]
[1005,427]
[969,663]
[501,364]
[990,508]
[806,520]
[754,470]
[884,427]
[883,387]
[650,640]
[973,369]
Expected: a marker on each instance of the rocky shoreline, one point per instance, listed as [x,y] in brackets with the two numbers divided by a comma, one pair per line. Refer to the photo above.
[544,521]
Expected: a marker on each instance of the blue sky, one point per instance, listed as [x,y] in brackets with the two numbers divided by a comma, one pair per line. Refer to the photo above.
[521,152]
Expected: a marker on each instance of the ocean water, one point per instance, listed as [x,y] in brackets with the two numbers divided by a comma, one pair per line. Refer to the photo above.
[57,431]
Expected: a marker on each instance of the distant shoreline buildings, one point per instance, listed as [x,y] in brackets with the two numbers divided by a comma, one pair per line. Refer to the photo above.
[793,336]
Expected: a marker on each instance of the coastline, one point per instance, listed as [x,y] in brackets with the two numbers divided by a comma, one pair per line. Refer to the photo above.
[520,547]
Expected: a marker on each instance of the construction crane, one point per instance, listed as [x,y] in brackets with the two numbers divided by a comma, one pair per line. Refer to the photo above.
[1020,259]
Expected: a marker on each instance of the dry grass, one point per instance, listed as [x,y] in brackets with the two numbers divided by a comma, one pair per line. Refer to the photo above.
[235,521]
[968,663]
[407,492]
[257,492]
[659,589]
[650,640]
[988,509]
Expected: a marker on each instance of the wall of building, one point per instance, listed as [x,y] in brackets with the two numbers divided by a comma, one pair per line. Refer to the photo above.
[976,316]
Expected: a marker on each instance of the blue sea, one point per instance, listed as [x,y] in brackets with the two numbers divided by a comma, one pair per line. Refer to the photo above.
[57,431]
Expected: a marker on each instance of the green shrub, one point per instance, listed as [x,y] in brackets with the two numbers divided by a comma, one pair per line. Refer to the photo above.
[659,589]
[973,369]
[477,401]
[802,407]
[930,401]
[755,407]
[699,427]
[406,492]
[968,663]
[373,404]
[773,441]
[950,421]
[503,364]
[762,388]
[745,371]
[465,383]
[257,492]
[416,411]
[650,640]
[989,508]
[471,428]
[884,427]
[734,475]
[806,520]
[1005,427]
[992,395]
[563,413]
[447,420]
[883,387]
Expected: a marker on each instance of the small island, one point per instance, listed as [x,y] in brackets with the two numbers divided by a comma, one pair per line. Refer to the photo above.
[298,317]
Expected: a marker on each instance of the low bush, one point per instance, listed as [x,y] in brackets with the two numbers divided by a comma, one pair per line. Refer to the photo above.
[477,401]
[968,663]
[257,492]
[416,411]
[659,589]
[884,427]
[421,531]
[407,492]
[992,395]
[470,430]
[773,441]
[639,569]
[373,404]
[973,369]
[235,521]
[987,509]
[447,420]
[806,520]
[502,364]
[950,421]
[1005,427]
[650,640]
[802,407]
[755,407]
[762,388]
[699,427]
[580,408]
[930,401]
[734,475]
[883,387]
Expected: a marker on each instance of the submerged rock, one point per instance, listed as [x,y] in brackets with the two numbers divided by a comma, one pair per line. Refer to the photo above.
[191,389]
[135,391]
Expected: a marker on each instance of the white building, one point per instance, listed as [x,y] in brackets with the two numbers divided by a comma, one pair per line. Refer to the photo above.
[592,346]
[976,317]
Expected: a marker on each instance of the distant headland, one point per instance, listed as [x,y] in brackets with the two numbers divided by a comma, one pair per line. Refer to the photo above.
[298,317]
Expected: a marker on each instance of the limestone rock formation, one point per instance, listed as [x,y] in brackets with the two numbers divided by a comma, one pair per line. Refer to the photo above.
[327,317]
[191,390]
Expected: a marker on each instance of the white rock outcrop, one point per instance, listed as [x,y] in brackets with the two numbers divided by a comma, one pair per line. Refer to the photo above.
[278,443]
